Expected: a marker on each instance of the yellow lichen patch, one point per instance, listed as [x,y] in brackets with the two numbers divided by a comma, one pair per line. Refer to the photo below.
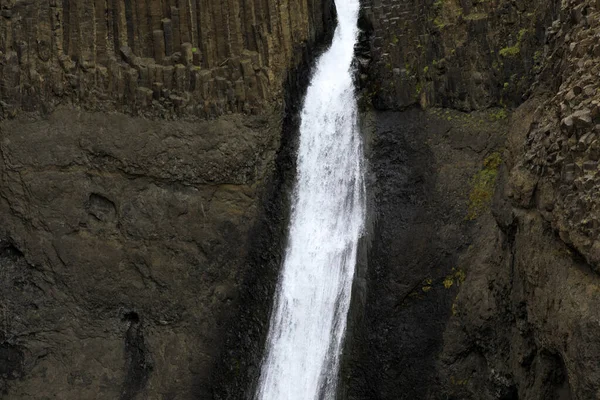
[456,277]
[448,282]
[458,382]
[512,51]
[427,285]
[499,114]
[447,12]
[476,16]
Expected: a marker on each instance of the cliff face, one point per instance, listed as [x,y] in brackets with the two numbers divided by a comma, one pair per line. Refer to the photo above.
[542,271]
[465,55]
[120,270]
[162,58]
[482,282]
[131,248]
[138,255]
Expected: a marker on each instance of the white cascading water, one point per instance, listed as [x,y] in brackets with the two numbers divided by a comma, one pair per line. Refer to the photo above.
[328,212]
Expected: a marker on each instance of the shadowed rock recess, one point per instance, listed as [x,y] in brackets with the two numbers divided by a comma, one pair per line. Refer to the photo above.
[146,158]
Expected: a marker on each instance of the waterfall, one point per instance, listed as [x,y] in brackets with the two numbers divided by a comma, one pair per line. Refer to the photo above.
[308,322]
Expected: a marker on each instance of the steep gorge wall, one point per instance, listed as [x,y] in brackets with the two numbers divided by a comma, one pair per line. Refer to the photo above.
[200,58]
[528,313]
[501,303]
[128,244]
[544,265]
[118,269]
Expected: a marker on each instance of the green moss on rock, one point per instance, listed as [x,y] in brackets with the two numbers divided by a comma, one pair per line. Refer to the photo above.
[482,186]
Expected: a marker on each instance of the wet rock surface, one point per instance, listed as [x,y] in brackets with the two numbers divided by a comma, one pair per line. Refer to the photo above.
[465,55]
[138,256]
[524,320]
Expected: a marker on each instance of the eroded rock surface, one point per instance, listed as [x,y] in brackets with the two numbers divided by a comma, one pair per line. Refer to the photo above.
[466,55]
[138,256]
[423,165]
[125,250]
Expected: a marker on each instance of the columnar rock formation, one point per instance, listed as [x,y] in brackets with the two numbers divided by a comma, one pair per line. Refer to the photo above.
[451,53]
[563,145]
[160,57]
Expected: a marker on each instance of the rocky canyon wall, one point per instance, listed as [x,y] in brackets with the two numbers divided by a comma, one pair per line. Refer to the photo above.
[466,55]
[146,151]
[142,192]
[123,251]
[482,278]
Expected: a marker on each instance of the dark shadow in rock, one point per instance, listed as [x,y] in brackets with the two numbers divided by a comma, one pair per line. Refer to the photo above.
[138,363]
[8,250]
[552,377]
[12,356]
[101,208]
[11,364]
[419,182]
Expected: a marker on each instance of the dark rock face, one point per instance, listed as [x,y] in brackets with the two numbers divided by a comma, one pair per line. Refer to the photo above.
[519,317]
[422,164]
[131,250]
[519,329]
[527,314]
[139,256]
[466,55]
[139,365]
[562,155]
[11,354]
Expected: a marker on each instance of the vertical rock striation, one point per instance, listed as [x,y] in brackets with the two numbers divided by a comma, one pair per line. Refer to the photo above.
[506,306]
[200,58]
[450,53]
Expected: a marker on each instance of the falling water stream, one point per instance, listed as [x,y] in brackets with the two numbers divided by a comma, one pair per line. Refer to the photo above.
[308,322]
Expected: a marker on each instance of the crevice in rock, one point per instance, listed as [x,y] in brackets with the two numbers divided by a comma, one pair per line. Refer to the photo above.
[138,363]
[12,355]
[9,250]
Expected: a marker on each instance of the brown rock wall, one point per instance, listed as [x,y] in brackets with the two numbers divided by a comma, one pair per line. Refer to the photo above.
[197,58]
[520,318]
[562,148]
[131,251]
